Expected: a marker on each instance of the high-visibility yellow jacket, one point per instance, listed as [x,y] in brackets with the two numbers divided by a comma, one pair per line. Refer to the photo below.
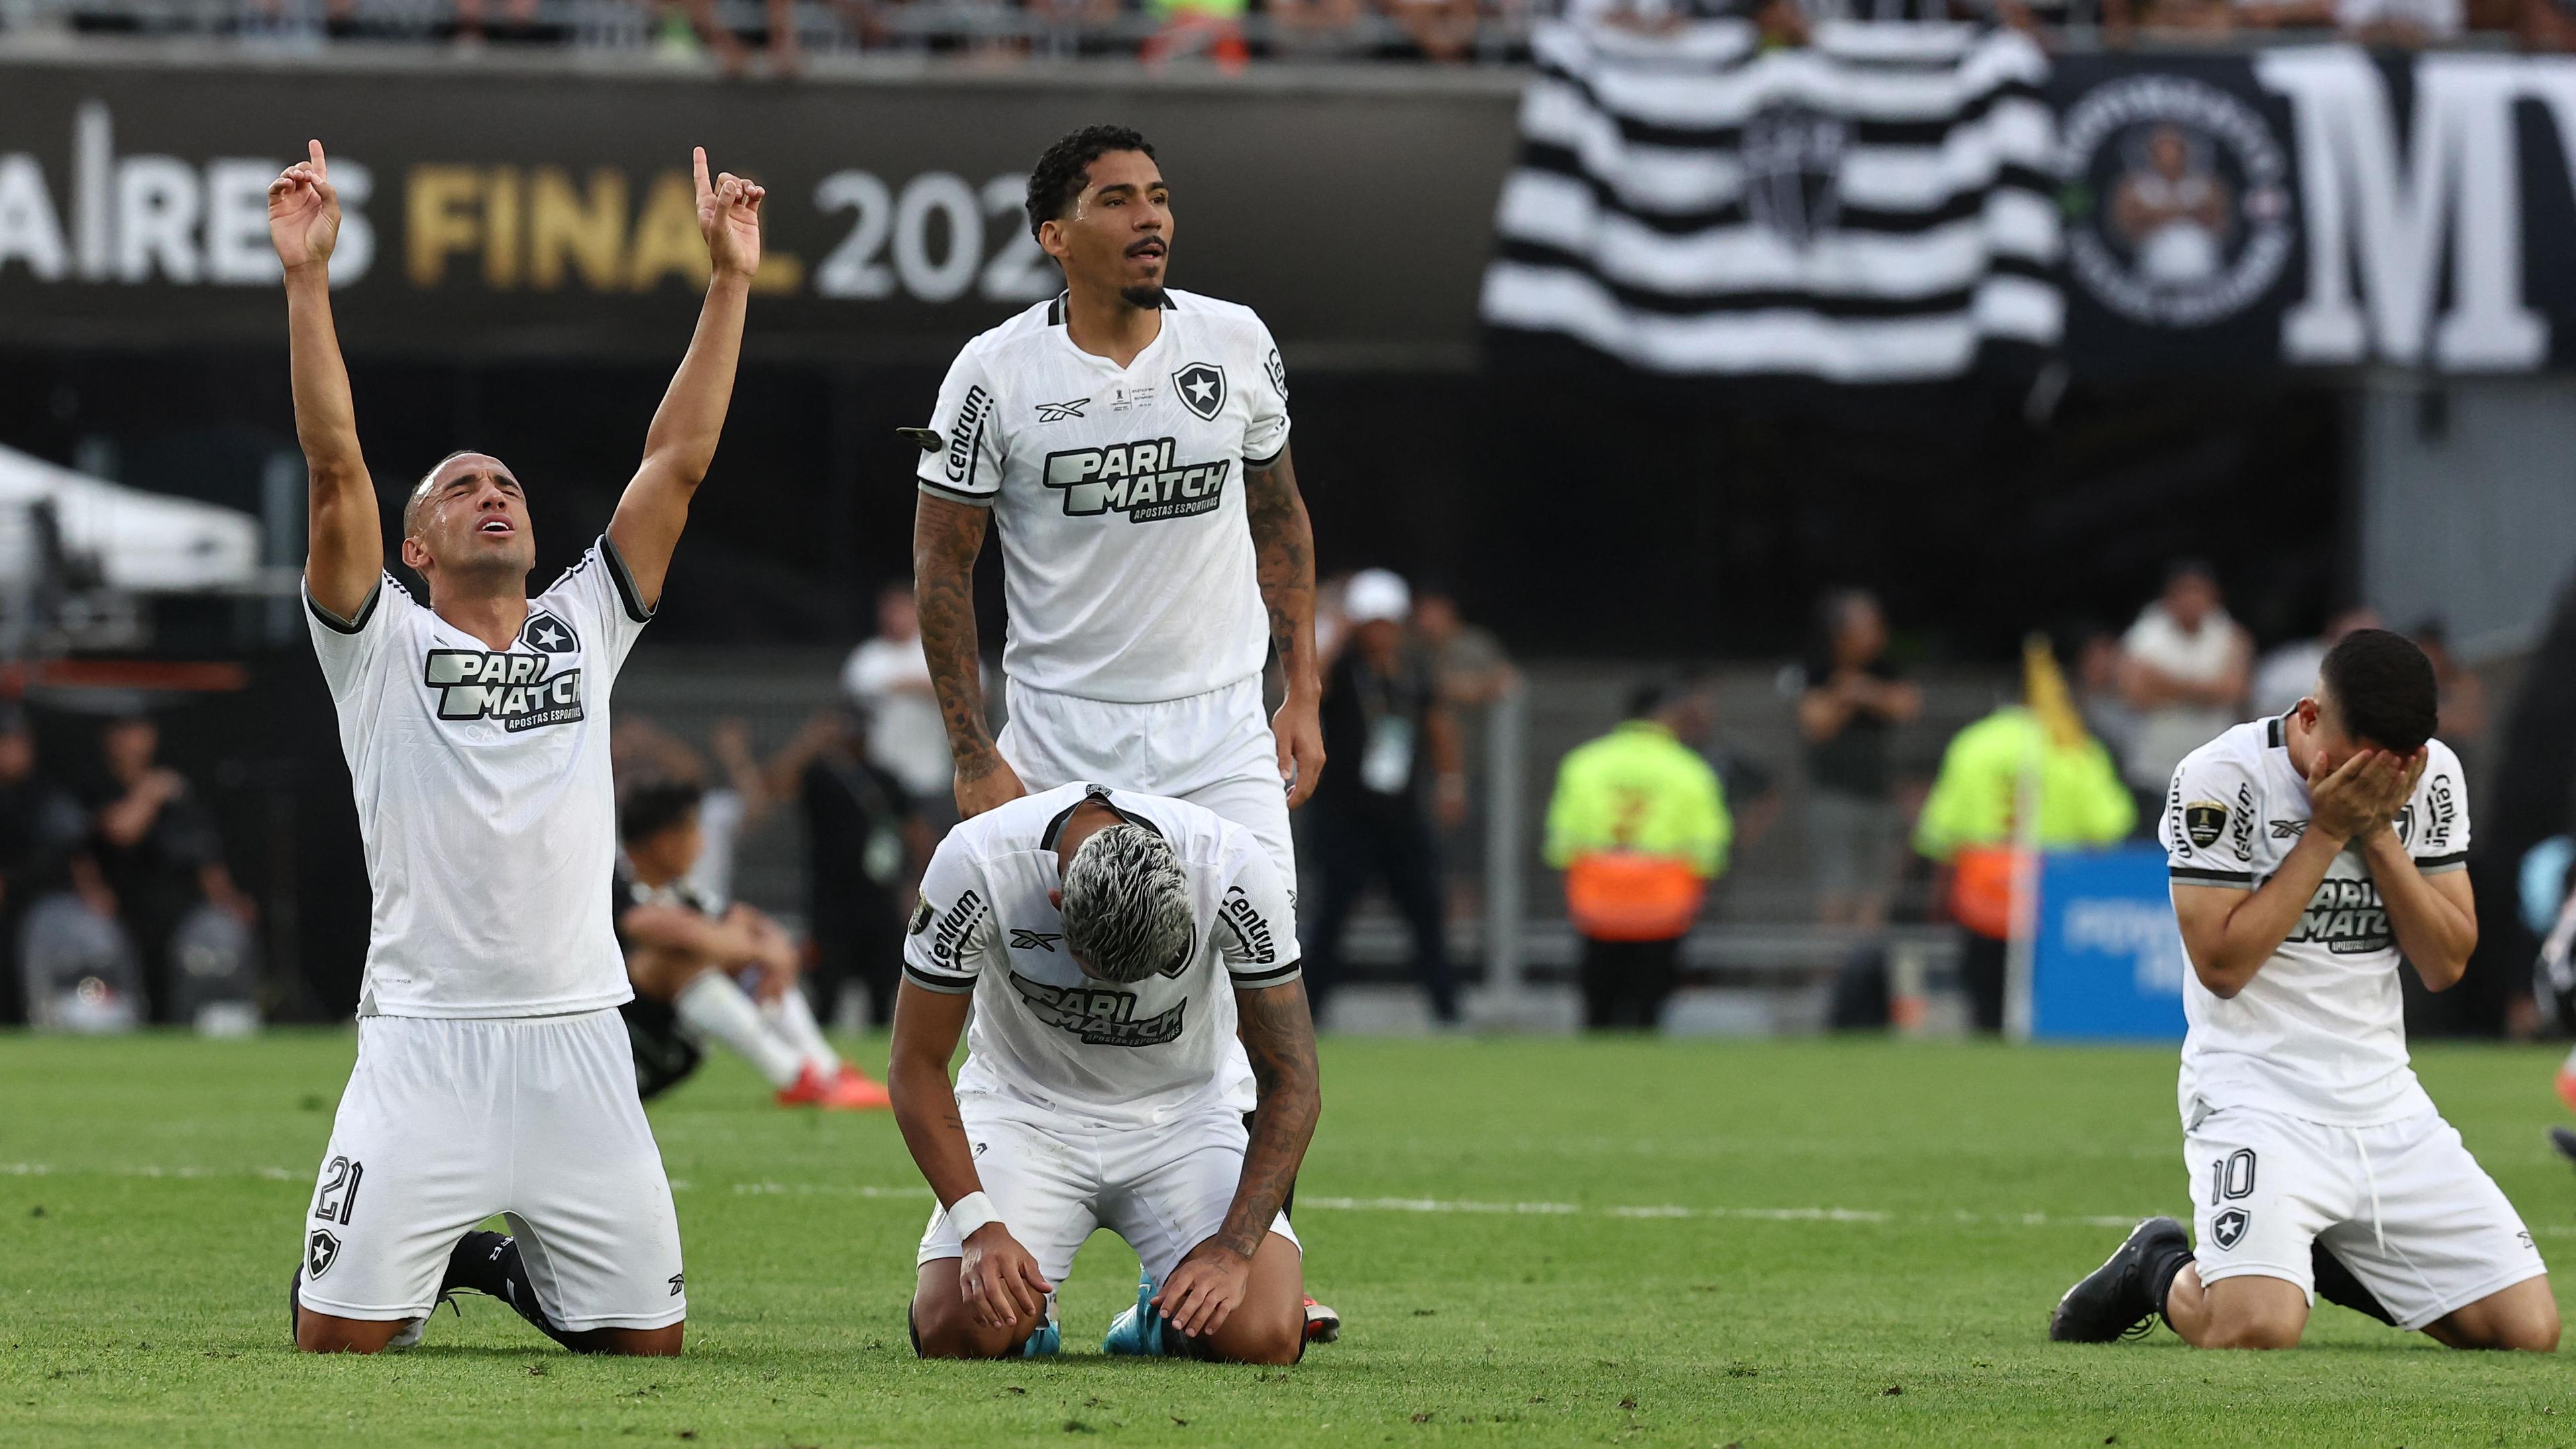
[2081,798]
[1639,790]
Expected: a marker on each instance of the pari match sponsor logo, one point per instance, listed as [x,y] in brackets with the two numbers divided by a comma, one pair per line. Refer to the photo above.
[2177,200]
[523,691]
[1145,480]
[1097,1014]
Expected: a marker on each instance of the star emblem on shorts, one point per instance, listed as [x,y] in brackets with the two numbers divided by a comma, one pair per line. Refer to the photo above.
[1201,386]
[548,634]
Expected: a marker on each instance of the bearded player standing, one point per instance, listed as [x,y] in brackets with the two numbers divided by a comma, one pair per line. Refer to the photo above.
[1131,442]
[2312,854]
[493,1072]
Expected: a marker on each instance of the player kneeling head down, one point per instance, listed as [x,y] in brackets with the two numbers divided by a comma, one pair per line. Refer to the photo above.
[2311,855]
[1132,962]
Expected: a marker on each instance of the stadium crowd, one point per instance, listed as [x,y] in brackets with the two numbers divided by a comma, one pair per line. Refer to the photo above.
[775,36]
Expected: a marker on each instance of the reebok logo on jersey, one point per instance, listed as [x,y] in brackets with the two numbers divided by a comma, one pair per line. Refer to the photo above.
[1201,388]
[1098,1015]
[2289,829]
[1058,412]
[966,434]
[512,688]
[954,927]
[1023,939]
[2345,917]
[1140,479]
[1249,928]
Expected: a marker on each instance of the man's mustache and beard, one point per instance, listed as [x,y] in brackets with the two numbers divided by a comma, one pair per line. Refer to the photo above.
[1146,296]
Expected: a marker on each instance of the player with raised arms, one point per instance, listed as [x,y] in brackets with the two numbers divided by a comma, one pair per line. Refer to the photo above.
[2312,854]
[1129,441]
[1122,953]
[493,1073]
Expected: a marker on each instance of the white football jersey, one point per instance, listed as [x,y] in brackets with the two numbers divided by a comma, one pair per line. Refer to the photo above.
[2320,1032]
[484,796]
[1045,1033]
[1118,493]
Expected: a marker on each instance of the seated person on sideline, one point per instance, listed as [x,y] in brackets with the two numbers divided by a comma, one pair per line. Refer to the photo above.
[698,975]
[2310,854]
[1108,943]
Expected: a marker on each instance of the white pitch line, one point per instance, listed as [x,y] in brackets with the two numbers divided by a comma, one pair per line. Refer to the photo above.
[1545,1209]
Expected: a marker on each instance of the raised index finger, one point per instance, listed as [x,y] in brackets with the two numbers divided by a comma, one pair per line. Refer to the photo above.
[321,167]
[698,163]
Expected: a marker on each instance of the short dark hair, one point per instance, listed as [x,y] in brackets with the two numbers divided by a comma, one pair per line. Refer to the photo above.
[1058,178]
[2383,689]
[646,807]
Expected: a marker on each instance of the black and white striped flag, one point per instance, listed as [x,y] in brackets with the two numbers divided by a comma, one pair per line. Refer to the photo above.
[1877,207]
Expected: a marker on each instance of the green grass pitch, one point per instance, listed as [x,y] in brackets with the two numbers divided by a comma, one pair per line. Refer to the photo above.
[1534,1241]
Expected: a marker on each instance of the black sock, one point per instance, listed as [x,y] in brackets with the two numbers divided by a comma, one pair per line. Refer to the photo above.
[2335,1284]
[489,1264]
[2161,1271]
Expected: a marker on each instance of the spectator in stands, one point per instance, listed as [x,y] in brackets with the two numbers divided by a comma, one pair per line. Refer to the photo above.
[1308,26]
[1394,745]
[1969,823]
[2546,25]
[888,678]
[1443,30]
[156,850]
[1195,27]
[2183,668]
[2463,695]
[2402,23]
[785,57]
[865,843]
[1850,702]
[1474,671]
[2097,693]
[2122,20]
[40,828]
[1639,826]
[2287,673]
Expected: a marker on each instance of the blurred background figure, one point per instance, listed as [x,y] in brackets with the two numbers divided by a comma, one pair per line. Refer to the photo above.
[704,972]
[1396,777]
[733,801]
[2034,755]
[865,843]
[1639,825]
[888,678]
[41,828]
[2288,672]
[1850,702]
[2184,667]
[157,854]
[2463,694]
[2107,712]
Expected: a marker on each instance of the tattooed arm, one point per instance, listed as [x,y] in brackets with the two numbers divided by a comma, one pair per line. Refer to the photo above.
[946,536]
[1283,540]
[1279,1036]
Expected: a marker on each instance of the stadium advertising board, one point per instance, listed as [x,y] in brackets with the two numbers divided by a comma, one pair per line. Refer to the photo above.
[494,212]
[2107,962]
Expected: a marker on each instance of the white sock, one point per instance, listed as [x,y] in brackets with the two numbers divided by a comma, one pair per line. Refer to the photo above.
[792,1017]
[716,1007]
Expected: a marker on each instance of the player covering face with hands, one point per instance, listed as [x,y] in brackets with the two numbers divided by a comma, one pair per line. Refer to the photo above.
[2310,855]
[1114,947]
[493,1074]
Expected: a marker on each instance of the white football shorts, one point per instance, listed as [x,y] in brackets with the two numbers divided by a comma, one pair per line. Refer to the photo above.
[1054,1178]
[448,1121]
[1214,750]
[2403,1204]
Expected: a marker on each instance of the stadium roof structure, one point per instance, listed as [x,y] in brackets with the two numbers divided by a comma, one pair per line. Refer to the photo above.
[148,543]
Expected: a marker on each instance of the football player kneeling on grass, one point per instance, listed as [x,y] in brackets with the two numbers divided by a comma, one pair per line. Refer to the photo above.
[2310,854]
[702,973]
[1133,967]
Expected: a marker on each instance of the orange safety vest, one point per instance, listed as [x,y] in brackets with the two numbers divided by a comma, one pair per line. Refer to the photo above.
[1619,895]
[1981,889]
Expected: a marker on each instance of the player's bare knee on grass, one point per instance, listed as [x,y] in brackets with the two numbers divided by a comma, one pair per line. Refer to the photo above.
[2250,1311]
[322,1333]
[661,1342]
[944,1327]
[2523,1317]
